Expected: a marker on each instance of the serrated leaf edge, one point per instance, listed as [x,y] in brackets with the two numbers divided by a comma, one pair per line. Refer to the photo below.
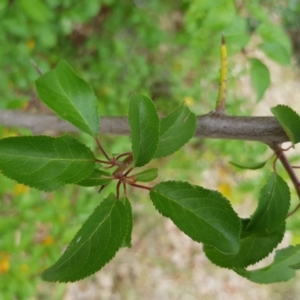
[261,195]
[131,128]
[93,272]
[236,269]
[194,186]
[53,71]
[38,188]
[172,152]
[252,263]
[287,132]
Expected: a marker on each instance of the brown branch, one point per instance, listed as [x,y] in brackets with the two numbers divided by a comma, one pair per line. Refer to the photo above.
[263,129]
[43,123]
[289,169]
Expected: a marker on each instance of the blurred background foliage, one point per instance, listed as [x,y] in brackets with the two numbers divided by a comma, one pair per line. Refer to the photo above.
[168,50]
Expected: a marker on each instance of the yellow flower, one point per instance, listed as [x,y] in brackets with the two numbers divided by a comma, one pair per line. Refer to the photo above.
[225,189]
[189,101]
[20,189]
[48,240]
[4,262]
[30,44]
[8,133]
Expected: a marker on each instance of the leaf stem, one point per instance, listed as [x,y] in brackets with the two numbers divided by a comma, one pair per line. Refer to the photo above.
[101,188]
[102,161]
[274,164]
[118,189]
[141,186]
[37,67]
[101,149]
[293,211]
[128,171]
[123,154]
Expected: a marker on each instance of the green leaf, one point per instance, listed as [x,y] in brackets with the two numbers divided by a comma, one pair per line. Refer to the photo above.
[70,97]
[94,245]
[176,129]
[276,43]
[277,52]
[3,4]
[273,206]
[144,124]
[127,240]
[295,266]
[249,166]
[146,176]
[36,10]
[45,163]
[260,77]
[289,120]
[97,177]
[282,268]
[204,215]
[253,248]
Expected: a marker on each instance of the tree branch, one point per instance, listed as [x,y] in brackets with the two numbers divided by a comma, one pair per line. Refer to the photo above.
[289,169]
[263,129]
[45,123]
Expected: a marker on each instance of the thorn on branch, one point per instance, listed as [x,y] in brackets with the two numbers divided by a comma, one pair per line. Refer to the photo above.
[220,106]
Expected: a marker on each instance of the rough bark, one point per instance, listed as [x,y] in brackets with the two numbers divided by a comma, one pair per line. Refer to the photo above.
[263,129]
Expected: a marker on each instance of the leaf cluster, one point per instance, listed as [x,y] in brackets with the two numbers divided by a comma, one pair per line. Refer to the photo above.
[48,163]
[206,216]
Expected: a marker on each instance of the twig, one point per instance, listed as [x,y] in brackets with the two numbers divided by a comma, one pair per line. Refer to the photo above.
[293,211]
[36,67]
[101,149]
[289,169]
[141,186]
